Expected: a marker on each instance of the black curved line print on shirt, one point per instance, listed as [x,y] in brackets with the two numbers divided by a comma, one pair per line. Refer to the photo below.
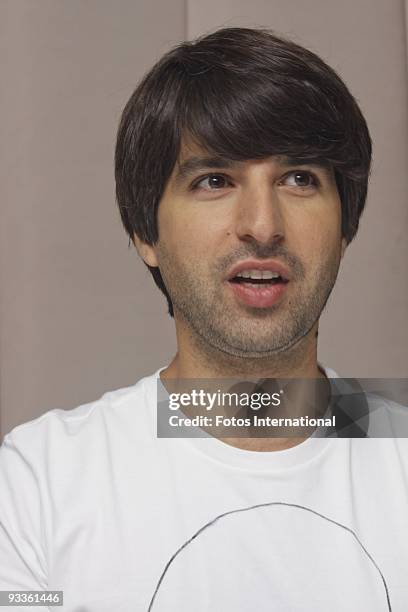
[370,560]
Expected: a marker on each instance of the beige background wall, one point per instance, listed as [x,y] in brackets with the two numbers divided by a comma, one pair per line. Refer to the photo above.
[79,313]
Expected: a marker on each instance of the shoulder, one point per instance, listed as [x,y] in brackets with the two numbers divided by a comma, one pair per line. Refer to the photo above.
[387,418]
[57,430]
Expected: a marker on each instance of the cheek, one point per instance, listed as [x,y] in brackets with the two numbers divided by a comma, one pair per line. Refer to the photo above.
[192,233]
[317,237]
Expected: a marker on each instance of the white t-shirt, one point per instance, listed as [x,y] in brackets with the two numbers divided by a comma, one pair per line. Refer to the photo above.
[94,504]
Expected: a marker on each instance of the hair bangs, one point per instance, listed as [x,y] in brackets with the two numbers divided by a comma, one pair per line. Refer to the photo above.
[241,118]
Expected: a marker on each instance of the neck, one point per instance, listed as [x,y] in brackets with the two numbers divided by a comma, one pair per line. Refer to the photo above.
[196,359]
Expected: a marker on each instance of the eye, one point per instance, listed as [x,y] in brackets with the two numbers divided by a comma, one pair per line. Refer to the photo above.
[212,182]
[300,178]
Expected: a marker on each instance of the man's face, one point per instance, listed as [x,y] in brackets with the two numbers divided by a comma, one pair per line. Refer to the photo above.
[270,215]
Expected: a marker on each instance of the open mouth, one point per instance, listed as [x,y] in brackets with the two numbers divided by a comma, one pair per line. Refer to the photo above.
[258,281]
[258,288]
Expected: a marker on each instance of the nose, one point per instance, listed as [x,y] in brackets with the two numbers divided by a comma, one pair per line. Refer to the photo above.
[259,215]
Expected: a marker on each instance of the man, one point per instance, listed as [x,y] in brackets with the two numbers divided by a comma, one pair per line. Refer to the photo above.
[242,164]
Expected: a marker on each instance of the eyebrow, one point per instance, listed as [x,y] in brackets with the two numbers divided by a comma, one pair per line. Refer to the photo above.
[192,165]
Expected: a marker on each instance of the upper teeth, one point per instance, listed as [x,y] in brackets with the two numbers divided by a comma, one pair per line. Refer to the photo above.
[258,274]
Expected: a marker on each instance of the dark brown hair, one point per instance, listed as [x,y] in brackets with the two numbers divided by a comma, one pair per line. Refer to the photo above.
[241,93]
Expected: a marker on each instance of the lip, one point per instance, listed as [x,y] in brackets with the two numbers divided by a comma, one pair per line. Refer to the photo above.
[253,264]
[258,296]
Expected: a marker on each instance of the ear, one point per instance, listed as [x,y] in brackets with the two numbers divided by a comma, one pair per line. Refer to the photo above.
[146,251]
[343,246]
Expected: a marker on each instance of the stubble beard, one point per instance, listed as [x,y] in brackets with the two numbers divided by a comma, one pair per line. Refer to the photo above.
[220,324]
